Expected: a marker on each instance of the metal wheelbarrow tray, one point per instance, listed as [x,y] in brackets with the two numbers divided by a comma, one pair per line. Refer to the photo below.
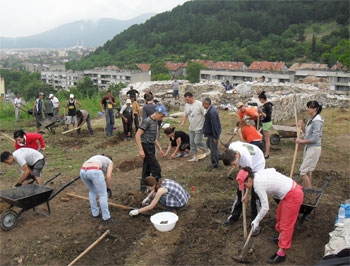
[282,132]
[311,199]
[27,197]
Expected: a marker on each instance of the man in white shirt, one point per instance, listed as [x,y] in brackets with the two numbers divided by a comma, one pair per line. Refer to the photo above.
[56,105]
[270,182]
[17,104]
[195,113]
[241,154]
[31,161]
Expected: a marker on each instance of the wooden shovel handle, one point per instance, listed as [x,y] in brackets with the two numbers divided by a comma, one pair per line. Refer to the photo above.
[296,144]
[89,248]
[109,203]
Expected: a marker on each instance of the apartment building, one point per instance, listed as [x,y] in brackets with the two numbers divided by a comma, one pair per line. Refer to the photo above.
[101,77]
[278,72]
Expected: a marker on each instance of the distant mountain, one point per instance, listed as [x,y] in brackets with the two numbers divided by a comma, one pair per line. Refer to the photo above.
[83,33]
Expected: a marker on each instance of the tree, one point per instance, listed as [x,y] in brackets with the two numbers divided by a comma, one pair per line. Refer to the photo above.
[86,88]
[193,71]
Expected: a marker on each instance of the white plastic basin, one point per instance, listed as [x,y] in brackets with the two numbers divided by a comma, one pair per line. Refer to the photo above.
[164,221]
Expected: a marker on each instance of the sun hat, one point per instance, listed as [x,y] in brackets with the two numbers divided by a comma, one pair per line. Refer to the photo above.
[239,105]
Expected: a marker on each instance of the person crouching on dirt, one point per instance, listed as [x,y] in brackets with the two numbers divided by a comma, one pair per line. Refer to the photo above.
[31,161]
[270,182]
[178,139]
[28,140]
[92,174]
[167,192]
[146,140]
[84,117]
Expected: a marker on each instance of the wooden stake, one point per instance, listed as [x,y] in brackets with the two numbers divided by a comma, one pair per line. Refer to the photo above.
[64,132]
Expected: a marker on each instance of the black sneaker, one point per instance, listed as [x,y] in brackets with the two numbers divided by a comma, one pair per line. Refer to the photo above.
[275,259]
[256,231]
[229,222]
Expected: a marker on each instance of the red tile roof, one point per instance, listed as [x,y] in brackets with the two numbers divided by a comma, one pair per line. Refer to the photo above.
[173,66]
[314,66]
[226,65]
[144,67]
[265,65]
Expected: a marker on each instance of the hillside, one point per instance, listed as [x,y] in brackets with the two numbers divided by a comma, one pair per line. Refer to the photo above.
[83,32]
[231,31]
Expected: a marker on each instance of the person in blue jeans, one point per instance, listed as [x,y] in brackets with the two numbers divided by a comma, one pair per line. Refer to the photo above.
[107,104]
[92,174]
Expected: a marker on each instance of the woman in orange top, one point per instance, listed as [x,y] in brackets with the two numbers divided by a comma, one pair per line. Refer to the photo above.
[249,134]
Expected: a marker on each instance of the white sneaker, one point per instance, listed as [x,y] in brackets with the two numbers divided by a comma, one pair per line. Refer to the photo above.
[185,155]
[194,159]
[208,152]
[178,155]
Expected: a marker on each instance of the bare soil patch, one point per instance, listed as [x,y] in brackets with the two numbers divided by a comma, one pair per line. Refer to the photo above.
[199,237]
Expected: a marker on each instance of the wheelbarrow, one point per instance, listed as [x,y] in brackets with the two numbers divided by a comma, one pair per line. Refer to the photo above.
[282,132]
[311,199]
[49,123]
[27,197]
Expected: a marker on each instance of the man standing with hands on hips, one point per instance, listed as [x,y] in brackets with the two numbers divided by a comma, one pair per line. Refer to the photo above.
[107,104]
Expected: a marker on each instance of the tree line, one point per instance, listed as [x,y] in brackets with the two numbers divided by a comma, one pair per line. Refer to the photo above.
[232,31]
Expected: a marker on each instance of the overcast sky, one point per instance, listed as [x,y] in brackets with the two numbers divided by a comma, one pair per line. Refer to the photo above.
[27,17]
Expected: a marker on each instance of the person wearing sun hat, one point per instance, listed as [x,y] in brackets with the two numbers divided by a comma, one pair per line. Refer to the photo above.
[270,182]
[147,142]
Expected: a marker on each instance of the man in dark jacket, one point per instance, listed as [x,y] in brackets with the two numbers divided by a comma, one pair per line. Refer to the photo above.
[212,130]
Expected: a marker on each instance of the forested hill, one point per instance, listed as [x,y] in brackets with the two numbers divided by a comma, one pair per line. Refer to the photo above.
[244,31]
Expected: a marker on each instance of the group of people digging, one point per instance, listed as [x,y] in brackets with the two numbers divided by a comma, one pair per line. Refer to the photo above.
[247,157]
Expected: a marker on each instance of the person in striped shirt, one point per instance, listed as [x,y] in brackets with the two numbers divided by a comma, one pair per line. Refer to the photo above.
[167,192]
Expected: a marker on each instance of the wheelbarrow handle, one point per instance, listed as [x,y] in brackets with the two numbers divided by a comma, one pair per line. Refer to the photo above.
[52,178]
[63,187]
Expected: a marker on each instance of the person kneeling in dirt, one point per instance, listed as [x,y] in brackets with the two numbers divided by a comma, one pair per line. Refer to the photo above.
[270,182]
[178,139]
[83,116]
[31,161]
[92,174]
[167,192]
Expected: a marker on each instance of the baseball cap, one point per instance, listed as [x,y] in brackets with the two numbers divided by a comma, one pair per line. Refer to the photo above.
[239,104]
[50,95]
[41,93]
[128,101]
[241,177]
[161,109]
[71,96]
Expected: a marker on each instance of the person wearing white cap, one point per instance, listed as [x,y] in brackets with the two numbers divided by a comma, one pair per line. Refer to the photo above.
[126,112]
[146,140]
[56,105]
[72,106]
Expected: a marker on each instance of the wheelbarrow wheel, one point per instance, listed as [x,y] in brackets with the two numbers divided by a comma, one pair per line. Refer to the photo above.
[275,139]
[8,220]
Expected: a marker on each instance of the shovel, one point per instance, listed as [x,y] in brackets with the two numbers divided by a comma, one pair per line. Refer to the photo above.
[242,257]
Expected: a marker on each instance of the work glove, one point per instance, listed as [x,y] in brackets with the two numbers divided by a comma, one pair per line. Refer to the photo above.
[109,192]
[145,202]
[255,224]
[134,212]
[18,185]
